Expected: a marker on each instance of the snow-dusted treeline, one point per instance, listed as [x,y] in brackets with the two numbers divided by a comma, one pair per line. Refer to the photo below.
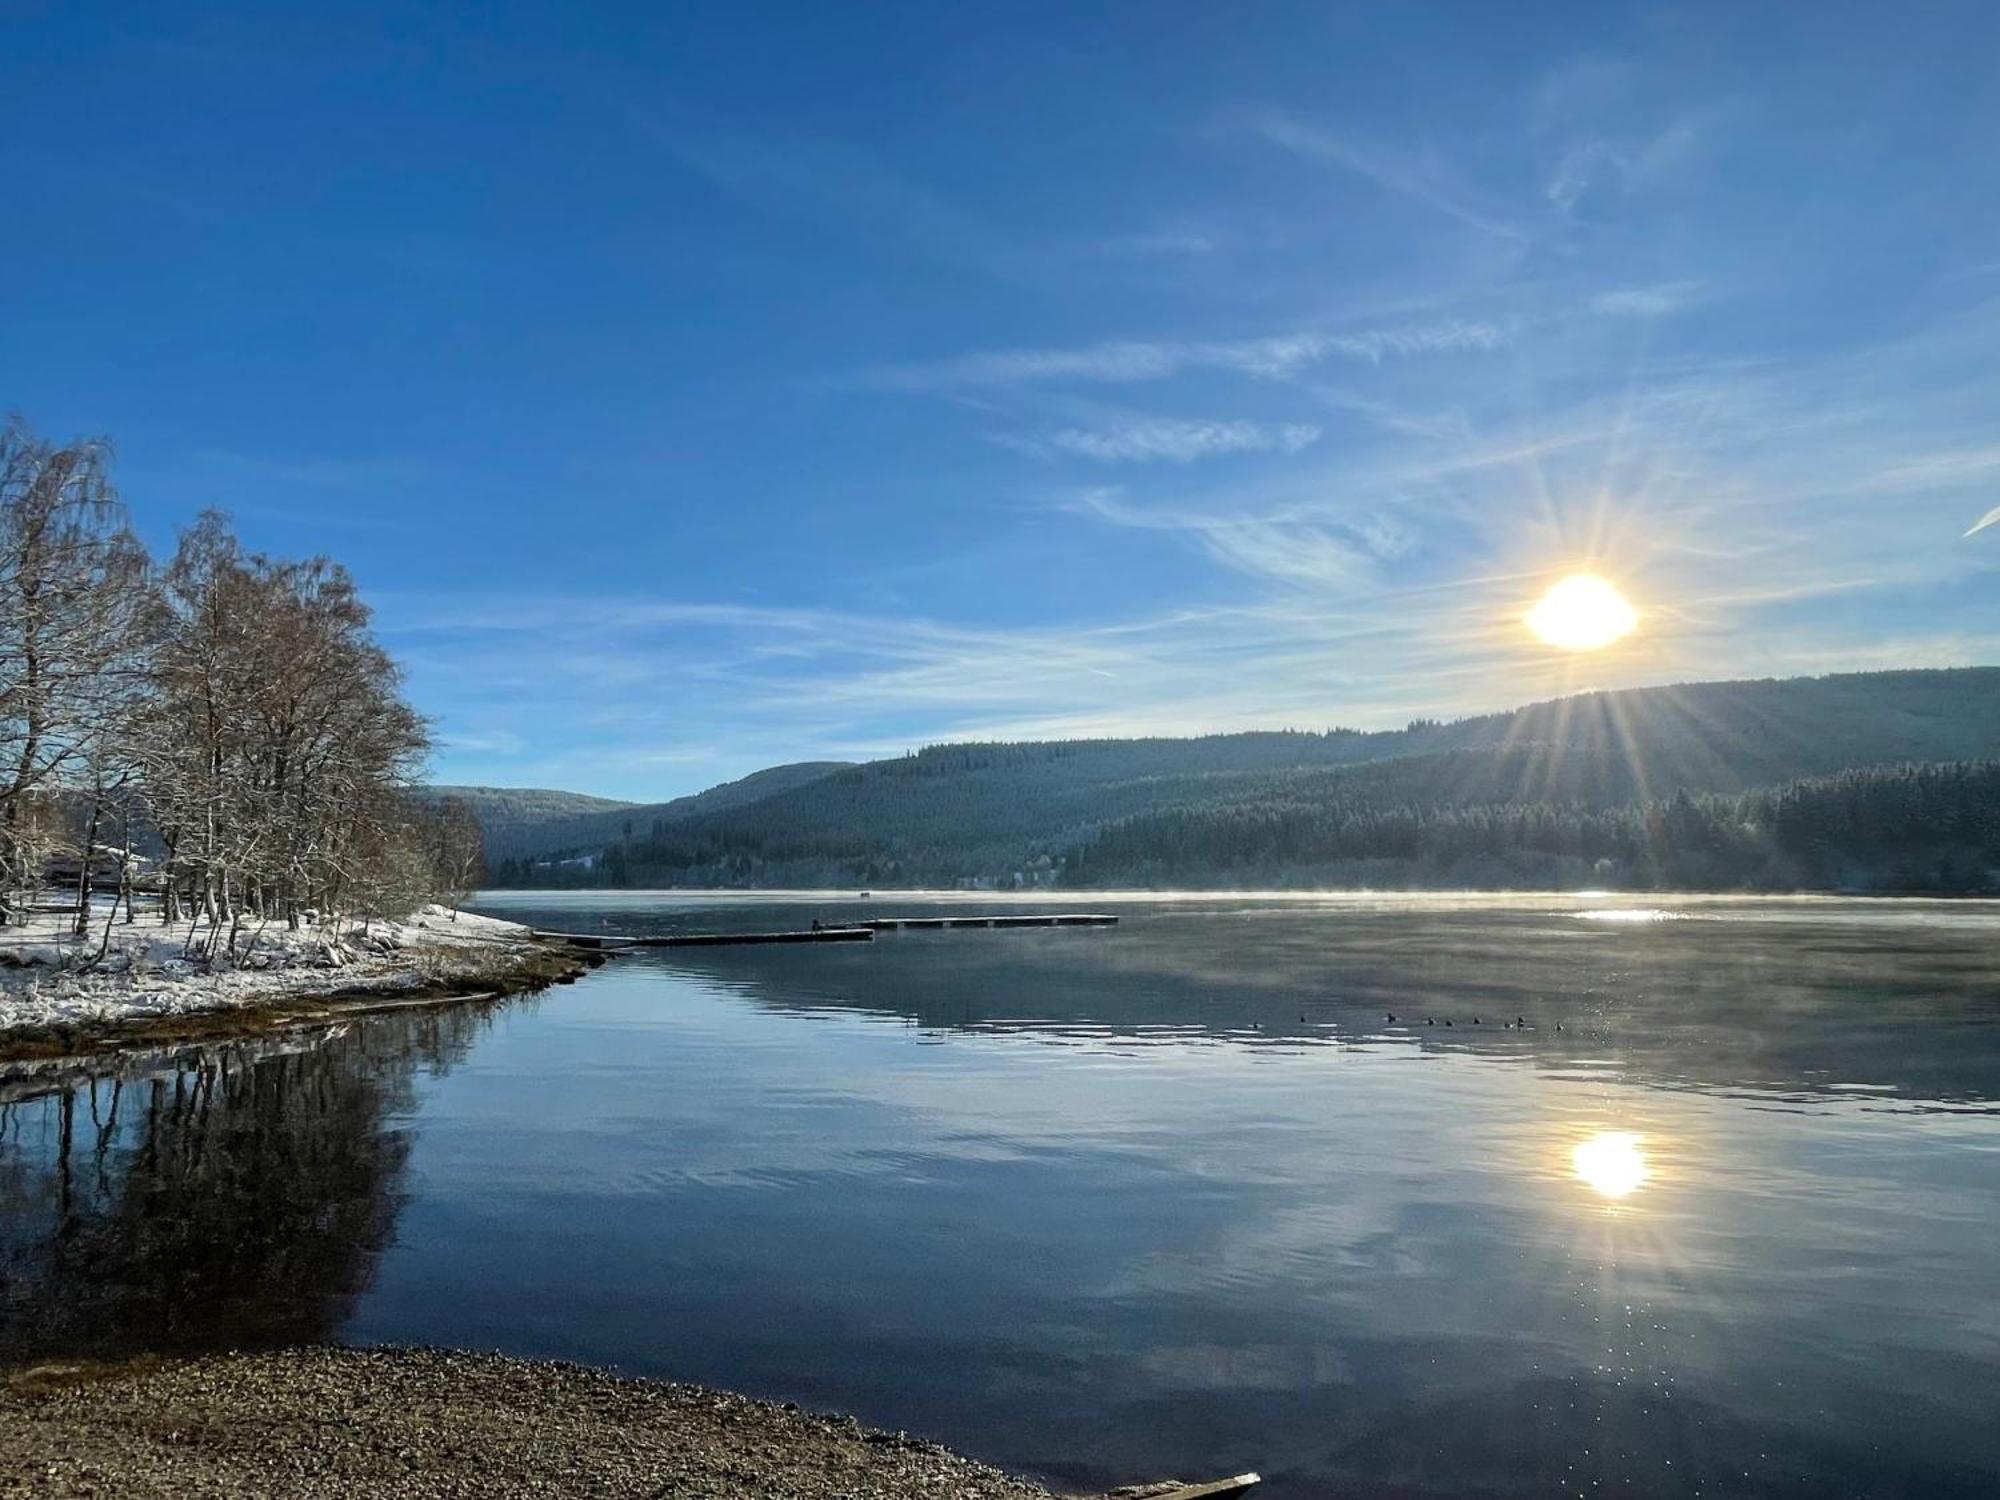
[219,730]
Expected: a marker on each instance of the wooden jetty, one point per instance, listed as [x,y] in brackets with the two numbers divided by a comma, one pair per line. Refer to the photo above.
[851,932]
[617,942]
[1064,919]
[723,939]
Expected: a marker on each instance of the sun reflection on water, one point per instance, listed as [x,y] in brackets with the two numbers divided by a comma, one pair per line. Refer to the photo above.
[1610,1163]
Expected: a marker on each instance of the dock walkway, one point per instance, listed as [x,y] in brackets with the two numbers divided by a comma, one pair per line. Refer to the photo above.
[617,942]
[852,932]
[1067,919]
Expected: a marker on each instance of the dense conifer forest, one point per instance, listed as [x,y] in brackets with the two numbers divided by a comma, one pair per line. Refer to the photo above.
[1876,781]
[1930,828]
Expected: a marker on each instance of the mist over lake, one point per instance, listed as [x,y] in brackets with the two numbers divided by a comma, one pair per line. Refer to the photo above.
[1176,1196]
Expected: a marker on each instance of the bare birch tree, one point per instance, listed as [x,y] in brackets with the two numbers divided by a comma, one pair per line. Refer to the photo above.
[73,583]
[280,734]
[456,848]
[236,709]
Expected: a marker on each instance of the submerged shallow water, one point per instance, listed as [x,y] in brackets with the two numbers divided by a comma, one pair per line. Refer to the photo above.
[1174,1197]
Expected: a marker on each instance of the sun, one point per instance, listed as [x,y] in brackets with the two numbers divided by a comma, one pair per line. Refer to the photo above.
[1582,613]
[1610,1163]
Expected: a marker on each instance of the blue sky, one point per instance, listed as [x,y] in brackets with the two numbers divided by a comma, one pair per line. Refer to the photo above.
[698,387]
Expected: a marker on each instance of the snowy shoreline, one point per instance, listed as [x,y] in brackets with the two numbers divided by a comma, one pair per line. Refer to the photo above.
[49,985]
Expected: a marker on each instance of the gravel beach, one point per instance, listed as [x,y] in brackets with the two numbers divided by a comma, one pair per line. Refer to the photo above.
[352,1423]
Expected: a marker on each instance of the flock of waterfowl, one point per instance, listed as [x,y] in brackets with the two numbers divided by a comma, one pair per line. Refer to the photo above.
[1519,1023]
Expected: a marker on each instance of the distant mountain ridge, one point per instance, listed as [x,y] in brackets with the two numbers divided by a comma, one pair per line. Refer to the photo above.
[978,811]
[511,818]
[525,823]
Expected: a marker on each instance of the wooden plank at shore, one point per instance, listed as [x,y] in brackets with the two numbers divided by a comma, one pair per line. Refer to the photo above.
[1217,1489]
[340,1010]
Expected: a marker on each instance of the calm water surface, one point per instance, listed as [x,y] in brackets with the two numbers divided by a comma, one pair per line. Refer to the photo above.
[1171,1198]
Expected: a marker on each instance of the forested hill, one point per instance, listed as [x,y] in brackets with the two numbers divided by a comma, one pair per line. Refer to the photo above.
[516,820]
[530,824]
[1057,811]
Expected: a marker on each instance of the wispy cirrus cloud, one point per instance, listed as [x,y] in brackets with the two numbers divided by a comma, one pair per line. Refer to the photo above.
[1277,357]
[1717,490]
[1772,508]
[1315,548]
[1595,176]
[831,183]
[501,742]
[1173,440]
[1953,465]
[1576,170]
[1317,555]
[1338,645]
[1656,301]
[792,683]
[1394,417]
[837,185]
[1364,587]
[1423,179]
[1154,243]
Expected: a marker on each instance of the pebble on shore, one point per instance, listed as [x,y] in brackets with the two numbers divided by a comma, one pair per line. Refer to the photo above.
[349,1424]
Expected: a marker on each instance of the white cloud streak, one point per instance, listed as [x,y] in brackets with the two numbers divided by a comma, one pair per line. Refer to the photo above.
[1422,180]
[1172,440]
[1656,301]
[1279,357]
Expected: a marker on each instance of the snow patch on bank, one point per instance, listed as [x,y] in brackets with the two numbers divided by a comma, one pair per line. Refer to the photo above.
[47,977]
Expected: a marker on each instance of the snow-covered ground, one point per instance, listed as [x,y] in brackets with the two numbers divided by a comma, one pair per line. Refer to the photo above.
[48,979]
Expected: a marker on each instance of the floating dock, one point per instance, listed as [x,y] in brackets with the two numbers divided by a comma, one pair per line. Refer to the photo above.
[617,942]
[1066,919]
[851,932]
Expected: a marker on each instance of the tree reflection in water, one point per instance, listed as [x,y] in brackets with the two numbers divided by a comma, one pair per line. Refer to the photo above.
[214,1196]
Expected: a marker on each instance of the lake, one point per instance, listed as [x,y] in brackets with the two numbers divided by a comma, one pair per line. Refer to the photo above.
[1172,1198]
